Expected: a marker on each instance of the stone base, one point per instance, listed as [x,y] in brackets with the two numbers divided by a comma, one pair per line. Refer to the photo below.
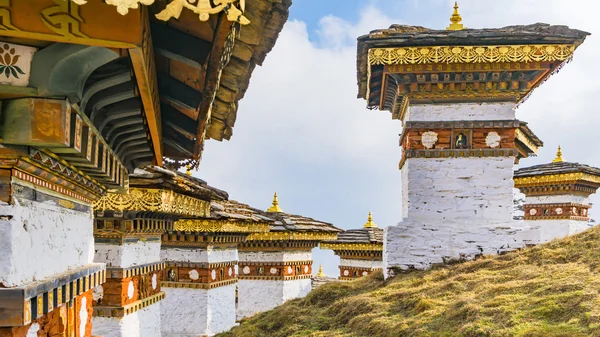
[419,246]
[256,296]
[68,320]
[142,323]
[189,312]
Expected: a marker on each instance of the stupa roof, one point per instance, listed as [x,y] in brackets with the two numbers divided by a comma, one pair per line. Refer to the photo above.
[297,223]
[159,177]
[556,168]
[233,210]
[402,36]
[363,235]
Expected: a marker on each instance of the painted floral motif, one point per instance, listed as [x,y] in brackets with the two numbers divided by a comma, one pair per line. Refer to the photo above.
[533,211]
[558,211]
[8,61]
[493,139]
[428,139]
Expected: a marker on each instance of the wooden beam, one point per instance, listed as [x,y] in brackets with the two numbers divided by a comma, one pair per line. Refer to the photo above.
[215,64]
[94,24]
[142,59]
[180,46]
[174,90]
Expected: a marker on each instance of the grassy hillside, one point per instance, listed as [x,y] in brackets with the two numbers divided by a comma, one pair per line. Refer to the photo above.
[551,290]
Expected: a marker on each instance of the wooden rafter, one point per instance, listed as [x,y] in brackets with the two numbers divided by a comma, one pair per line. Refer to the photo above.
[211,83]
[142,59]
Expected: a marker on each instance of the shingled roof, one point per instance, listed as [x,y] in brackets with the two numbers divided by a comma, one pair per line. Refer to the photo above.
[233,210]
[414,36]
[297,223]
[556,168]
[363,235]
[159,177]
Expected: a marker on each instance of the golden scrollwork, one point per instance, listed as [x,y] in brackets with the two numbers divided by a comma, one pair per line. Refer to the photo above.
[202,7]
[5,20]
[470,54]
[377,247]
[153,200]
[213,226]
[63,18]
[292,236]
[556,179]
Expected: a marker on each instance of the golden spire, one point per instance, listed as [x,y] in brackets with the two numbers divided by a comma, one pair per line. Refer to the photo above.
[188,170]
[456,19]
[370,223]
[275,207]
[320,273]
[559,158]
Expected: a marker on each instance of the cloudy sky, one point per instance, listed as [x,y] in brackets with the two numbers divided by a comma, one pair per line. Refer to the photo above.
[302,132]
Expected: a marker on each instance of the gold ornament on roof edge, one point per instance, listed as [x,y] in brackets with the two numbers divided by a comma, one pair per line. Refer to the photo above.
[559,158]
[370,223]
[470,54]
[275,206]
[203,8]
[455,19]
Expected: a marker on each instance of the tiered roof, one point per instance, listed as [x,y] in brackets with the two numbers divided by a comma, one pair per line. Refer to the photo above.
[368,238]
[558,177]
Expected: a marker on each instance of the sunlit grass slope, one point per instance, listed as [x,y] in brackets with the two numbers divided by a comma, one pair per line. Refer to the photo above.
[550,290]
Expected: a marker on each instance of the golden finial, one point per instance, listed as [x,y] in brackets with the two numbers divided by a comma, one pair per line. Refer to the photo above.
[559,158]
[275,207]
[188,170]
[456,19]
[370,223]
[320,273]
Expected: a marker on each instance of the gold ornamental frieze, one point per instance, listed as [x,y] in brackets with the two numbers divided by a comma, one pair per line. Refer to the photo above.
[352,246]
[556,179]
[219,226]
[154,200]
[470,54]
[292,236]
[202,8]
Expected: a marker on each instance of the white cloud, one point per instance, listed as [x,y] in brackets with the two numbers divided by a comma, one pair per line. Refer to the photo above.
[302,132]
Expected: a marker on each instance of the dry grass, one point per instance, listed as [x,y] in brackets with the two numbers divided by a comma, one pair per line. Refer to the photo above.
[551,290]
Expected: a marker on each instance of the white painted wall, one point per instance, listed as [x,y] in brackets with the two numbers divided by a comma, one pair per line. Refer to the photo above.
[296,289]
[256,296]
[128,255]
[183,312]
[198,255]
[220,309]
[458,189]
[197,312]
[557,199]
[142,323]
[461,112]
[42,240]
[283,256]
[361,263]
[548,230]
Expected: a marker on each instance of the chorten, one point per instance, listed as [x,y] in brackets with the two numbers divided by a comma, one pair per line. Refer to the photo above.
[277,266]
[455,92]
[557,197]
[360,250]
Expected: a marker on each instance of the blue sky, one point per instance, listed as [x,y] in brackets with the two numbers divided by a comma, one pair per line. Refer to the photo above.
[302,132]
